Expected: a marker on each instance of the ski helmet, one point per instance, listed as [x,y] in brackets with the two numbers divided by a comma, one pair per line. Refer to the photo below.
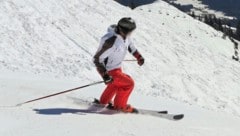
[126,25]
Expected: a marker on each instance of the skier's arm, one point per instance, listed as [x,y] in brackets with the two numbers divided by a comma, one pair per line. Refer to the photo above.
[133,50]
[102,54]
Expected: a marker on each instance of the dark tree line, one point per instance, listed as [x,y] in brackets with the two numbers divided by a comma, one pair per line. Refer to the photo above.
[213,21]
[219,24]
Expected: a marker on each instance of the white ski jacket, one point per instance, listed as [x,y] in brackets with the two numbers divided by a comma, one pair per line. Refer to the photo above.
[112,50]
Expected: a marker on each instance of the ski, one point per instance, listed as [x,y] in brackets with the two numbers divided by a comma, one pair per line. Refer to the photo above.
[161,114]
[106,109]
[155,113]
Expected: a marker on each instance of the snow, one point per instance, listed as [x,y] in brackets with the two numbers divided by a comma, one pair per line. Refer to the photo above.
[58,114]
[47,46]
[219,11]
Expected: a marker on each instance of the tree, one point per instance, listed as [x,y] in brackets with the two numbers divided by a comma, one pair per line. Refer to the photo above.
[206,19]
[210,21]
[193,14]
[215,23]
[230,32]
[219,22]
[214,19]
[238,30]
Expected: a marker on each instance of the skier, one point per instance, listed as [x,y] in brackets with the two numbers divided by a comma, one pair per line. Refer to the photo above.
[108,59]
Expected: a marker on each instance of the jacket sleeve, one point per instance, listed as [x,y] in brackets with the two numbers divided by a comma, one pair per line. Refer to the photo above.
[133,50]
[105,49]
[131,47]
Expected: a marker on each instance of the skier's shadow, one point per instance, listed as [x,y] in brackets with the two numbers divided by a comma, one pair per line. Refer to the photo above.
[59,111]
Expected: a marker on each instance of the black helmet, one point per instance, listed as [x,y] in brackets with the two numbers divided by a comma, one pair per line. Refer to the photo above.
[126,25]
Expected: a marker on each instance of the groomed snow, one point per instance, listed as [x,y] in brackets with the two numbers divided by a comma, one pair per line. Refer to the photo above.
[62,116]
[47,46]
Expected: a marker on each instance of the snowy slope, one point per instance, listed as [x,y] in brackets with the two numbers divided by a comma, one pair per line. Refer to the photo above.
[187,63]
[61,116]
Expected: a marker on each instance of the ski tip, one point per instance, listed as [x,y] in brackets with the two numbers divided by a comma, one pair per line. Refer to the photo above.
[178,117]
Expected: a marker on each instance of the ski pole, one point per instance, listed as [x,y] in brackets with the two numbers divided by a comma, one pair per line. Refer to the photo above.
[66,91]
[130,60]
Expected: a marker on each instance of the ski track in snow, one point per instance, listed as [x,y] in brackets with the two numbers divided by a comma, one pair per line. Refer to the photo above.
[187,62]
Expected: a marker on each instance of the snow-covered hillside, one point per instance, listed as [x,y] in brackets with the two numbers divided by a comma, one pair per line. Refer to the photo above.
[187,62]
[220,8]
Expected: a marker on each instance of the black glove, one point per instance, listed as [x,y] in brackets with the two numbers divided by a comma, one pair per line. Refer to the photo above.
[139,58]
[140,61]
[107,78]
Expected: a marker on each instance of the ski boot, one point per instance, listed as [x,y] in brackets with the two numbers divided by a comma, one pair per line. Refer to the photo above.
[97,102]
[127,109]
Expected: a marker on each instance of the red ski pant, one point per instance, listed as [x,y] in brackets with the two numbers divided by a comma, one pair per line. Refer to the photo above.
[121,88]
